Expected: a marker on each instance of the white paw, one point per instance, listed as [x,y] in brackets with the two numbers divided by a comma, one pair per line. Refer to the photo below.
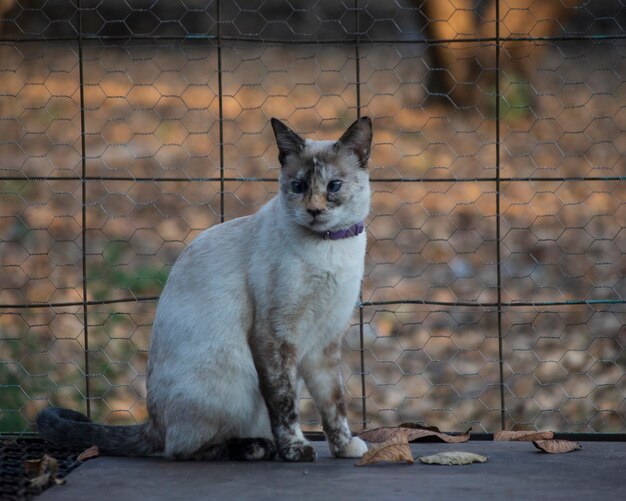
[355,449]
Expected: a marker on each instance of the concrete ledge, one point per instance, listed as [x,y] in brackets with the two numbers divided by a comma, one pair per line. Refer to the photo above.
[515,470]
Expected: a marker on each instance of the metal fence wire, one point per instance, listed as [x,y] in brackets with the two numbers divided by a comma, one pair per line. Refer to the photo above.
[494,291]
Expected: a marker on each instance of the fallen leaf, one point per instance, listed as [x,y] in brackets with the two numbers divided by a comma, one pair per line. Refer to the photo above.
[417,434]
[395,450]
[414,433]
[92,452]
[379,435]
[453,458]
[522,436]
[43,470]
[32,467]
[420,426]
[556,446]
[41,481]
[37,467]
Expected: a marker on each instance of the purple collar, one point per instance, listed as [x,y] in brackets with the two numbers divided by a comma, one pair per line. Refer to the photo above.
[353,231]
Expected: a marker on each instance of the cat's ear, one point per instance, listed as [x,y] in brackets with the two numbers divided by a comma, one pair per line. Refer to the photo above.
[289,143]
[358,139]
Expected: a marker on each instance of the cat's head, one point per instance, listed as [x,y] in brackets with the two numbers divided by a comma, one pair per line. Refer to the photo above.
[324,185]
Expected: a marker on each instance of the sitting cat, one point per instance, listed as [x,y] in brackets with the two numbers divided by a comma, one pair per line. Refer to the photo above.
[253,308]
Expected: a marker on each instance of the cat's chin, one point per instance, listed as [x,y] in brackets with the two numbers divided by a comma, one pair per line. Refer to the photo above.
[317,226]
[322,227]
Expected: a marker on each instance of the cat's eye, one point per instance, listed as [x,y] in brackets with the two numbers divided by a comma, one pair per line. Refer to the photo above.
[334,186]
[298,187]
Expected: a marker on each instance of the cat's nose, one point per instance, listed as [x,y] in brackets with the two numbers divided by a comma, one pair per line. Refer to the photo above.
[314,212]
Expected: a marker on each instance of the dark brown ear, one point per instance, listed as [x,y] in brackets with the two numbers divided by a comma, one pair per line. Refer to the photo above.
[358,139]
[288,142]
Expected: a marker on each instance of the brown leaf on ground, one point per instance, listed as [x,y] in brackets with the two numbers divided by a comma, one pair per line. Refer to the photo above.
[414,433]
[418,434]
[43,481]
[556,446]
[395,450]
[90,453]
[522,436]
[40,481]
[43,471]
[36,467]
[420,426]
[453,458]
[32,467]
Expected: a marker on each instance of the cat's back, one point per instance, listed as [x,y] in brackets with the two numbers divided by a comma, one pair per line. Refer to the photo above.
[215,257]
[199,333]
[207,284]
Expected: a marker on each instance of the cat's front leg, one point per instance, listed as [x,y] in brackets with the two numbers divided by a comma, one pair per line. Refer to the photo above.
[275,362]
[321,371]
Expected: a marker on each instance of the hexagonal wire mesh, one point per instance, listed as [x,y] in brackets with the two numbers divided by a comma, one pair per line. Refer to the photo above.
[494,293]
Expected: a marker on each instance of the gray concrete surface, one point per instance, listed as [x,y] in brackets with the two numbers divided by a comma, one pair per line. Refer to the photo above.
[514,471]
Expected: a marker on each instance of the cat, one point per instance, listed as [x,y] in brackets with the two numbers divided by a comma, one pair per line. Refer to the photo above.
[253,308]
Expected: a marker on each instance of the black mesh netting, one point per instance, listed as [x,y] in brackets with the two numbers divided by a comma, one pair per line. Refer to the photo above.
[15,483]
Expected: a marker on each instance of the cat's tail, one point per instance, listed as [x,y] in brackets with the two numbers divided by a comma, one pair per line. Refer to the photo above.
[73,429]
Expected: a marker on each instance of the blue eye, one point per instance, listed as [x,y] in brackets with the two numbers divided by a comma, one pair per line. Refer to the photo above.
[298,187]
[333,186]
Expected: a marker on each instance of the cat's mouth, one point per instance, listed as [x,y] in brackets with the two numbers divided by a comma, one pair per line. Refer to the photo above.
[317,224]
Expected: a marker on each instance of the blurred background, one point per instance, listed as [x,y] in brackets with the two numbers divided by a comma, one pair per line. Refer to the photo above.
[494,294]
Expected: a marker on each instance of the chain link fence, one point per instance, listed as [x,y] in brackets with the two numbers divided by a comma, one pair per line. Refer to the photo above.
[494,291]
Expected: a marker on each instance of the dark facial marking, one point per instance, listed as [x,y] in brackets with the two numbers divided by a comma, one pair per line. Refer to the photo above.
[288,142]
[331,174]
[358,140]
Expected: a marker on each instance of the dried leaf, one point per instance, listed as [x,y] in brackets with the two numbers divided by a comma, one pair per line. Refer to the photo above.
[379,435]
[395,450]
[92,452]
[41,481]
[32,467]
[37,467]
[420,426]
[453,458]
[43,470]
[414,432]
[522,436]
[556,446]
[417,434]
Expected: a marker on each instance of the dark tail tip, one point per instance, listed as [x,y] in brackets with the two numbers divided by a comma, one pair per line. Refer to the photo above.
[73,429]
[52,422]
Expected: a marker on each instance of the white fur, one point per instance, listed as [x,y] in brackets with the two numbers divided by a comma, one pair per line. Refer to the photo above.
[200,358]
[237,281]
[355,449]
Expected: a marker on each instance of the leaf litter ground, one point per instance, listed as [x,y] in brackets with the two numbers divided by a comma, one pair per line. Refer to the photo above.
[392,444]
